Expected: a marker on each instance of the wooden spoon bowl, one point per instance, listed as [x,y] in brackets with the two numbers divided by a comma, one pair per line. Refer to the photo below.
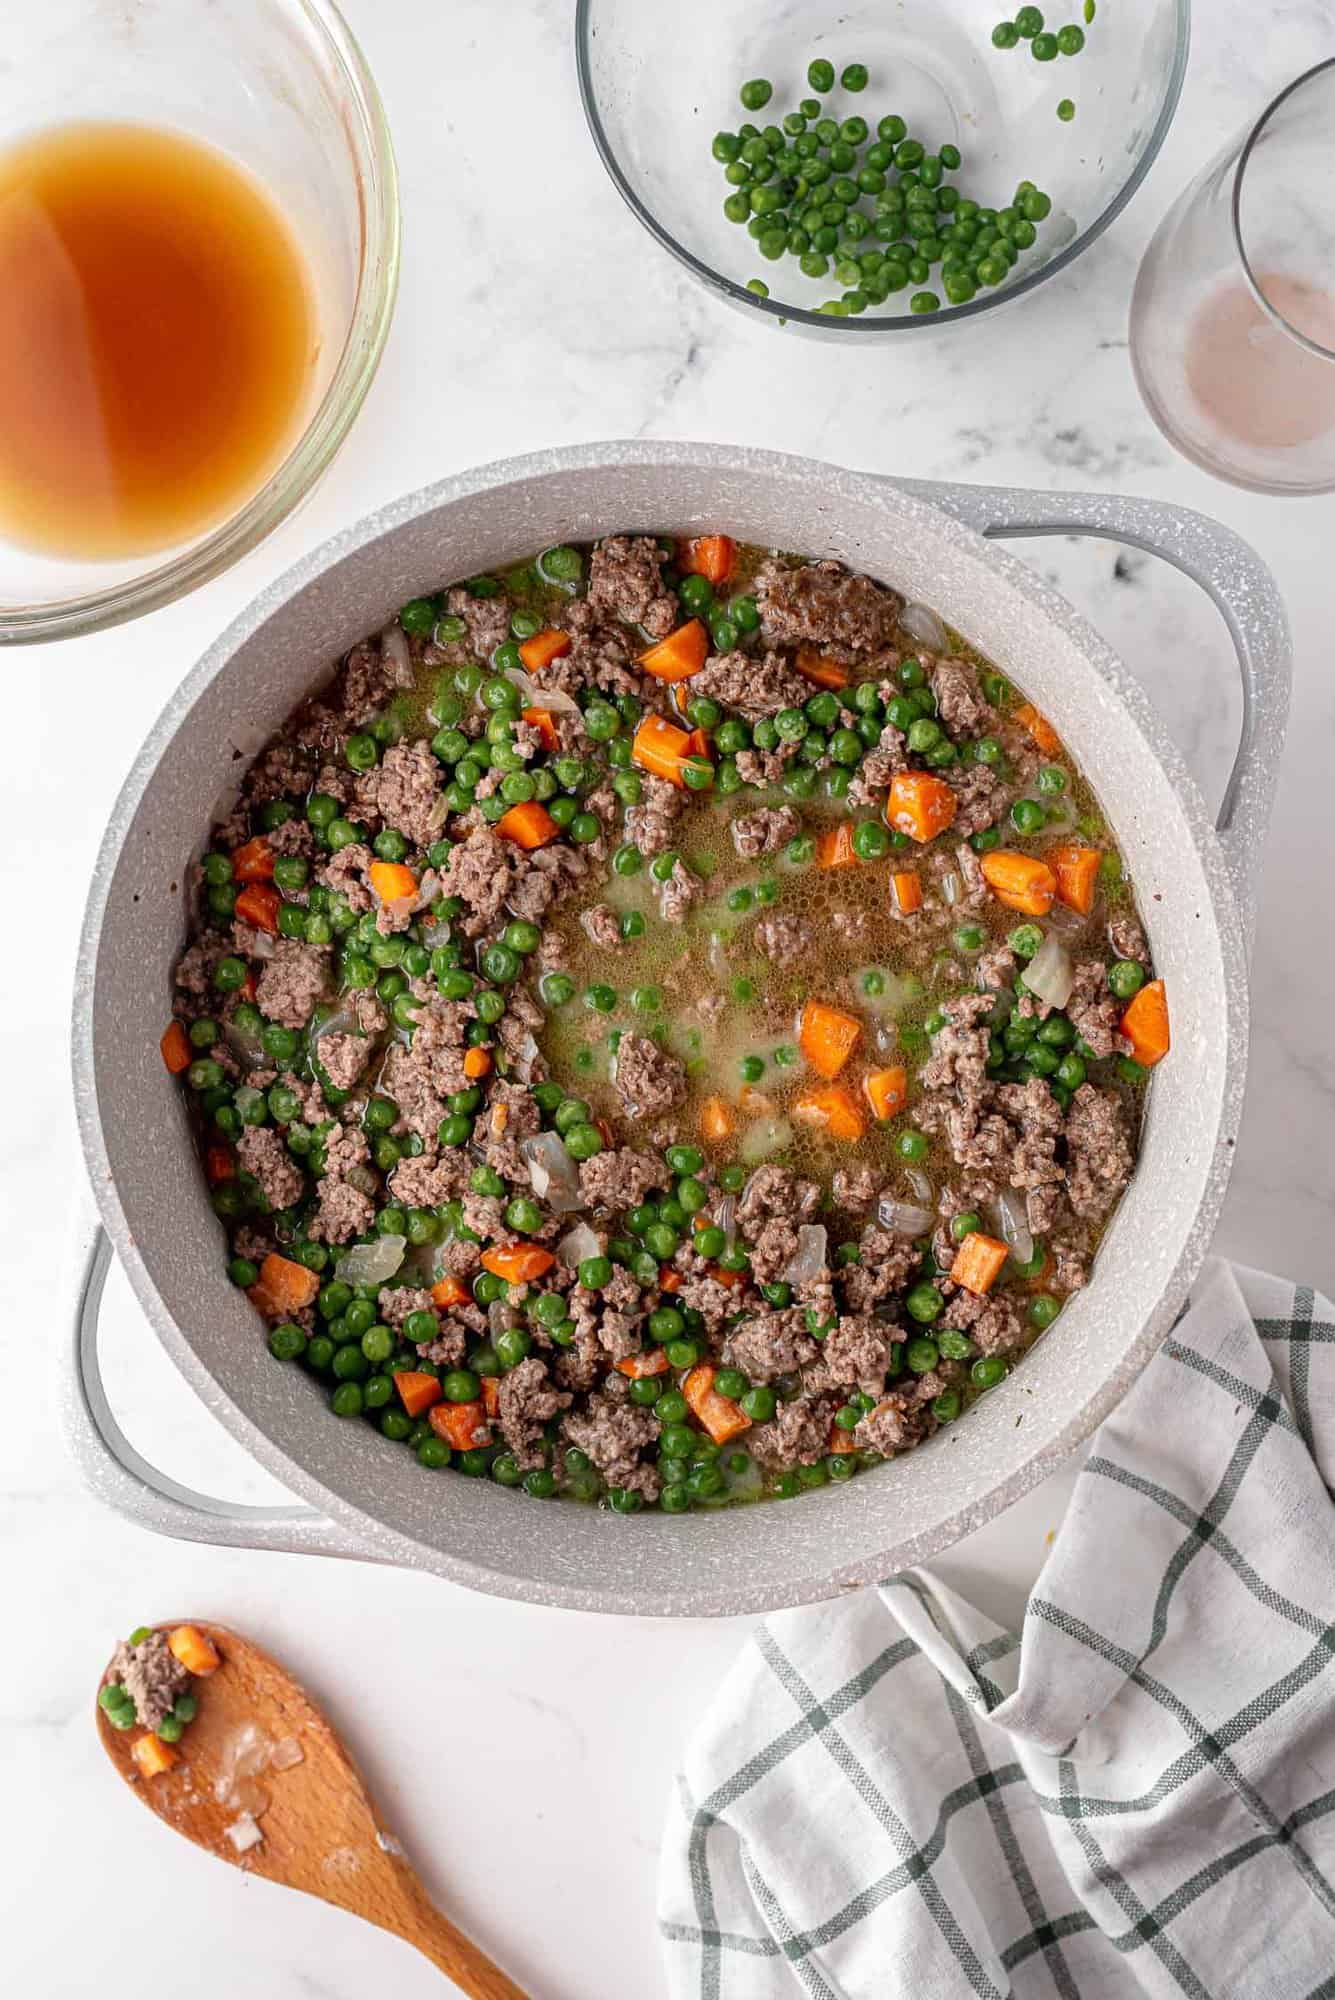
[322,1831]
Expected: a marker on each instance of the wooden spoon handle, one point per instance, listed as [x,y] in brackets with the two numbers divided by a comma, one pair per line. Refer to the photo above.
[422,1925]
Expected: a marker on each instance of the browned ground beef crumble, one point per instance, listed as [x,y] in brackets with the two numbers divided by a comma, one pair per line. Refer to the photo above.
[369,1069]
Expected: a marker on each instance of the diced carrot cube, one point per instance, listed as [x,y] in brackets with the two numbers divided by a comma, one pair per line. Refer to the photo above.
[1145,1024]
[1020,881]
[463,1426]
[920,805]
[979,1262]
[887,1091]
[392,882]
[1039,728]
[828,1037]
[258,905]
[417,1390]
[175,1046]
[637,1366]
[721,1417]
[153,1756]
[194,1649]
[680,655]
[253,862]
[1077,872]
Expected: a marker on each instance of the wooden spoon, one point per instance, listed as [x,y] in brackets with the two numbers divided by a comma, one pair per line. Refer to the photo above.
[322,1832]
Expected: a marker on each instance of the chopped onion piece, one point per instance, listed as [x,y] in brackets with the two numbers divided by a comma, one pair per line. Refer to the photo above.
[524,1058]
[577,1244]
[556,700]
[247,1046]
[394,649]
[952,888]
[244,1833]
[901,1218]
[921,623]
[500,1317]
[552,1172]
[1063,918]
[808,1260]
[725,1217]
[343,1021]
[287,1752]
[765,1136]
[921,1185]
[1013,1221]
[371,1263]
[1049,974]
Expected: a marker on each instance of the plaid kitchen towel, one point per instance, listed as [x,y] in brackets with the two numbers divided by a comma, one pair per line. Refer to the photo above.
[891,1796]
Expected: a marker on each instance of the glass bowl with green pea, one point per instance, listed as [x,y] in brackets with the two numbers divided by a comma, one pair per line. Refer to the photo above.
[872,169]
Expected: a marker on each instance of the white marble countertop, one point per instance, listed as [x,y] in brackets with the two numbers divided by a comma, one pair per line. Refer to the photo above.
[525,1754]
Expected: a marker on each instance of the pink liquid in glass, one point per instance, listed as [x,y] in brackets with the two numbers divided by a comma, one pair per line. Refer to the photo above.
[1251,379]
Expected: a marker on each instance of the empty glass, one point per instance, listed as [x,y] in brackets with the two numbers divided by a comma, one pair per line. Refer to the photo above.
[1233,315]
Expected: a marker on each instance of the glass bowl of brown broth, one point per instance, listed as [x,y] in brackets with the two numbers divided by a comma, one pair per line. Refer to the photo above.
[199,241]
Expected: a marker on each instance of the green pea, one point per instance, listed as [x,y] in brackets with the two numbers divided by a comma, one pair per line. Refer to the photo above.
[912,1145]
[287,1342]
[854,77]
[584,1142]
[1005,35]
[1029,22]
[563,564]
[871,840]
[988,1371]
[1043,1310]
[925,1303]
[1028,816]
[1125,978]
[756,94]
[820,74]
[946,1406]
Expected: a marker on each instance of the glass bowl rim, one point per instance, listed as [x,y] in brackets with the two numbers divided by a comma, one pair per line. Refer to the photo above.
[865,323]
[307,458]
[1253,140]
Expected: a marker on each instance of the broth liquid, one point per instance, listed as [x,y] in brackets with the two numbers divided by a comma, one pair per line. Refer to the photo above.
[157,339]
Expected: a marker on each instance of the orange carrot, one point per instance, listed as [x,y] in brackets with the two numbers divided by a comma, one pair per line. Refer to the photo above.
[175,1046]
[1041,730]
[637,1366]
[544,722]
[697,744]
[258,905]
[477,1062]
[906,890]
[391,881]
[517,1263]
[1145,1024]
[719,1414]
[282,1286]
[729,1280]
[887,1090]
[828,1037]
[834,1110]
[1077,872]
[714,556]
[920,805]
[463,1426]
[249,986]
[835,847]
[1020,881]
[152,1755]
[668,1279]
[716,1121]
[680,655]
[544,647]
[978,1262]
[839,1440]
[661,748]
[194,1649]
[450,1291]
[417,1391]
[529,825]
[219,1163]
[820,670]
[253,862]
[491,1394]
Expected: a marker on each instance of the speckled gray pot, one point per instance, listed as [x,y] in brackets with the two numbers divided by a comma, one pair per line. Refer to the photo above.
[368,1498]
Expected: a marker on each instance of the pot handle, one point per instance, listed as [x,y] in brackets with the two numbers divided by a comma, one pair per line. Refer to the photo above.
[1229,571]
[123,1479]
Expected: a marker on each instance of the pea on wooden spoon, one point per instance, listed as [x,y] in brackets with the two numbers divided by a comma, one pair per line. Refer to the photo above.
[321,1829]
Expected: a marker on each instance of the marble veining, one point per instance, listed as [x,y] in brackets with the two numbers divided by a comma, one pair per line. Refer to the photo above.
[524,1755]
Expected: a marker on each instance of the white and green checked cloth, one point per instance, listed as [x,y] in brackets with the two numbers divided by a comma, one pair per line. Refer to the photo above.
[891,1797]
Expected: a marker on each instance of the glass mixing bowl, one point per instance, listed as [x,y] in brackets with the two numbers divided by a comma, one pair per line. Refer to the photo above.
[281,87]
[658,83]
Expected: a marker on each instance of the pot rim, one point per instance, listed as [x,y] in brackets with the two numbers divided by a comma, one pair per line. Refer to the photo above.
[368,1536]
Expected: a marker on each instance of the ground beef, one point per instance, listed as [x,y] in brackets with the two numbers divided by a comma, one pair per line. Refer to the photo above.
[978,1136]
[770,1344]
[478,872]
[782,939]
[527,1401]
[959,700]
[602,926]
[752,687]
[484,1214]
[959,1049]
[614,1432]
[896,1424]
[487,619]
[772,1249]
[428,1183]
[620,1179]
[1128,940]
[370,676]
[626,582]
[991,1322]
[347,874]
[763,832]
[1070,1266]
[396,1302]
[821,604]
[449,1347]
[343,1058]
[798,1434]
[647,1080]
[856,1352]
[540,878]
[977,895]
[408,793]
[676,895]
[151,1675]
[261,1151]
[884,1265]
[997,968]
[651,825]
[345,1210]
[855,1188]
[776,1191]
[292,981]
[1098,1150]
[1044,1206]
[1094,1012]
[1033,1108]
[872,779]
[982,796]
[763,767]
